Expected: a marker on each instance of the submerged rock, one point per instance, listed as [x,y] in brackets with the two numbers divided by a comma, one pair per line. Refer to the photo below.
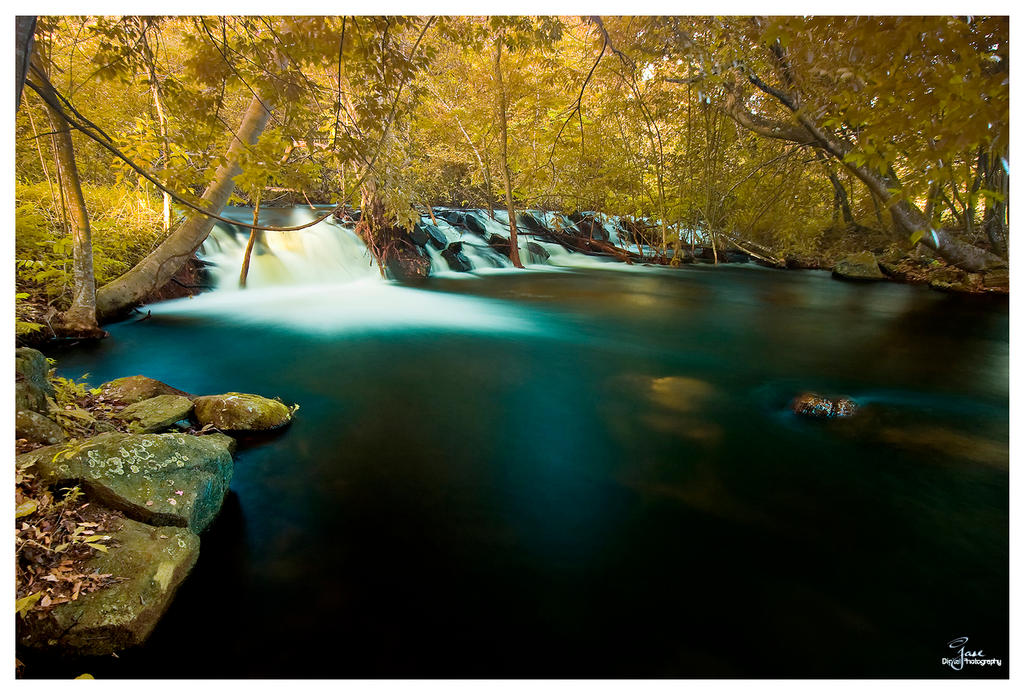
[813,405]
[234,412]
[31,385]
[35,427]
[165,479]
[157,413]
[858,266]
[151,561]
[132,389]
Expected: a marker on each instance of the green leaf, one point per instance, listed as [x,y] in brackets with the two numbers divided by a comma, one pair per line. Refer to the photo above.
[25,508]
[916,237]
[24,604]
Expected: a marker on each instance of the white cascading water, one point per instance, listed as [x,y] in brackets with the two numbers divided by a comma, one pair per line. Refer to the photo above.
[323,281]
[331,252]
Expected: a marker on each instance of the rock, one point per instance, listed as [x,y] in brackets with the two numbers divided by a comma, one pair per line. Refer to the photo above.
[453,217]
[157,413]
[227,442]
[858,266]
[997,279]
[500,244]
[456,260]
[35,427]
[474,225]
[423,234]
[31,383]
[538,252]
[235,412]
[813,405]
[527,220]
[161,479]
[408,267]
[153,562]
[132,389]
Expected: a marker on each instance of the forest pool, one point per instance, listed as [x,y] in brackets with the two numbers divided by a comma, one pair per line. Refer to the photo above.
[590,473]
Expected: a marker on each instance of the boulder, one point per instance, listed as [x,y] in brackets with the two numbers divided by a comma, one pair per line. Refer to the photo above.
[858,266]
[456,260]
[236,412]
[132,389]
[500,244]
[816,406]
[161,479]
[151,561]
[157,413]
[423,234]
[538,253]
[35,427]
[31,383]
[474,225]
[408,267]
[529,221]
[452,217]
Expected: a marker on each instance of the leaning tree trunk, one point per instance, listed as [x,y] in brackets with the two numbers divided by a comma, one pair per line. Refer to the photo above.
[501,114]
[156,269]
[80,318]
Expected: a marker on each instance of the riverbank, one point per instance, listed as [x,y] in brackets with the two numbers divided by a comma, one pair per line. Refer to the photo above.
[114,486]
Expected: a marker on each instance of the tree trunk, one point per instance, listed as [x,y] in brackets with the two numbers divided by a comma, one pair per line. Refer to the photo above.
[165,260]
[242,277]
[501,115]
[80,318]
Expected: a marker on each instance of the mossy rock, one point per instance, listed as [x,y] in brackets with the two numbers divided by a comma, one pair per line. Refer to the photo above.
[858,266]
[164,479]
[31,385]
[132,389]
[238,412]
[157,413]
[36,427]
[153,562]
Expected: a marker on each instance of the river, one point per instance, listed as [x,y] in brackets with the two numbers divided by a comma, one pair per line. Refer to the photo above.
[590,472]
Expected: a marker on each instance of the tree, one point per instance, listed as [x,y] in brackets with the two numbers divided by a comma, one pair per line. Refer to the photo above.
[80,318]
[843,103]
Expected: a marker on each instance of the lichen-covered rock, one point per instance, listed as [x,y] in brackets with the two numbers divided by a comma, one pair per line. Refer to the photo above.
[164,479]
[157,413]
[152,560]
[813,405]
[35,427]
[858,266]
[229,443]
[31,385]
[234,412]
[132,389]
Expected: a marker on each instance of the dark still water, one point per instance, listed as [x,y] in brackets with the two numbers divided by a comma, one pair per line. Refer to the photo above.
[591,473]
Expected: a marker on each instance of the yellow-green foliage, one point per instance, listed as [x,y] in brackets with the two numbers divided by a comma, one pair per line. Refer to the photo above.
[125,224]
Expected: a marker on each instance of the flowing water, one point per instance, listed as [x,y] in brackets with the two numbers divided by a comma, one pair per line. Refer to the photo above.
[583,471]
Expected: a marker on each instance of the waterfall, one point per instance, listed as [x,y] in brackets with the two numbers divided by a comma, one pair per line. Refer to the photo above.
[331,252]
